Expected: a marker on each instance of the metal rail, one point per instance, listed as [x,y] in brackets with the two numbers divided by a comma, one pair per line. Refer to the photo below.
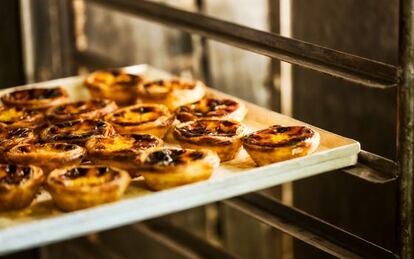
[405,126]
[307,228]
[373,168]
[347,66]
[188,241]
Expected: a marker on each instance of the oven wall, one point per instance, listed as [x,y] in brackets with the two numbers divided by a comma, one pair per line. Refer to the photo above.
[368,29]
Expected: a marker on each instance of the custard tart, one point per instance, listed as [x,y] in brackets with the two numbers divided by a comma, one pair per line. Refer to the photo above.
[77,131]
[47,156]
[85,186]
[10,137]
[92,109]
[120,151]
[18,185]
[279,143]
[172,93]
[154,119]
[36,98]
[210,108]
[17,117]
[220,136]
[168,167]
[114,85]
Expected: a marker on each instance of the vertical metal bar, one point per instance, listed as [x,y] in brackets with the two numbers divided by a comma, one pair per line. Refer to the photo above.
[286,97]
[405,126]
[67,39]
[273,79]
[205,50]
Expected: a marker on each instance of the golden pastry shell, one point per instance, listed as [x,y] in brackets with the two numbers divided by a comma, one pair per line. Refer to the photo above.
[226,146]
[264,150]
[164,176]
[20,195]
[70,198]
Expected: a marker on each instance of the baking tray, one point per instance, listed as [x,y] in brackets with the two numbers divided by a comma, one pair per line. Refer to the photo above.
[42,223]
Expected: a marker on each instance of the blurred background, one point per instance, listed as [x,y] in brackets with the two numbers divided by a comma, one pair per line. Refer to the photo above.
[47,39]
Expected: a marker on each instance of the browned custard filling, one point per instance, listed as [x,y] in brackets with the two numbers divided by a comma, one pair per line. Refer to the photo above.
[77,130]
[12,115]
[87,176]
[81,107]
[15,135]
[160,88]
[36,94]
[136,116]
[166,157]
[115,77]
[220,128]
[14,174]
[209,107]
[130,143]
[46,148]
[280,136]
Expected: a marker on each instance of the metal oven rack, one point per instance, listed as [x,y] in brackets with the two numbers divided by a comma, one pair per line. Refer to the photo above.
[370,167]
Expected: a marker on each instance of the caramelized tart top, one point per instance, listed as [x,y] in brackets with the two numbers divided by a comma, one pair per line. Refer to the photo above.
[15,174]
[47,148]
[109,78]
[139,114]
[85,175]
[172,157]
[208,108]
[13,136]
[92,109]
[120,144]
[76,131]
[280,136]
[161,88]
[12,116]
[35,98]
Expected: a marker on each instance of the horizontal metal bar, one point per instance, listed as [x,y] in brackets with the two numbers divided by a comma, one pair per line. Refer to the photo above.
[307,228]
[347,66]
[95,61]
[185,239]
[373,168]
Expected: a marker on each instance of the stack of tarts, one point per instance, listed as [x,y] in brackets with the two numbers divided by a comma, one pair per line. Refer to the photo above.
[85,153]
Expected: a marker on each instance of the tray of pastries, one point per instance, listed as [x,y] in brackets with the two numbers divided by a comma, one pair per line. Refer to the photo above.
[117,146]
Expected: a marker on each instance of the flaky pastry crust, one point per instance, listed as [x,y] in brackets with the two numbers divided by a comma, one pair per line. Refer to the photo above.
[220,136]
[279,143]
[76,131]
[115,85]
[154,119]
[86,186]
[18,185]
[167,167]
[36,98]
[212,108]
[172,93]
[121,151]
[47,156]
[91,109]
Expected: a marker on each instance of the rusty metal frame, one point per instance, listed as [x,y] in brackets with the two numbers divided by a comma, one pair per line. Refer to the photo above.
[349,67]
[405,142]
